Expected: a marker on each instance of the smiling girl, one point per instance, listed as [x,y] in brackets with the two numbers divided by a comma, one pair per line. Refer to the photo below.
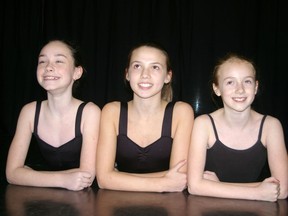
[66,128]
[229,147]
[143,144]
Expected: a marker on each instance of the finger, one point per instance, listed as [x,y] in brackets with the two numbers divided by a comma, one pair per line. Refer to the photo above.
[86,174]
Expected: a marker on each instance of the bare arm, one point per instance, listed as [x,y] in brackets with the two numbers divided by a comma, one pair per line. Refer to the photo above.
[109,178]
[198,185]
[277,153]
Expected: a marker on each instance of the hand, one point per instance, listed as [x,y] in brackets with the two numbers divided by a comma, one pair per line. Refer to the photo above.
[210,176]
[270,189]
[177,181]
[77,180]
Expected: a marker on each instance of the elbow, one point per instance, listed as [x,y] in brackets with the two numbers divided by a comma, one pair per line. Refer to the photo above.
[9,178]
[283,194]
[102,182]
[193,189]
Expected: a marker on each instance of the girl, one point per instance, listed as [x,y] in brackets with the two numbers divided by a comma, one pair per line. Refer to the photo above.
[65,128]
[231,145]
[143,144]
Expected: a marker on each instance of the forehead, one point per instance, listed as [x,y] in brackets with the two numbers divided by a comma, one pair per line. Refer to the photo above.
[55,48]
[146,53]
[236,69]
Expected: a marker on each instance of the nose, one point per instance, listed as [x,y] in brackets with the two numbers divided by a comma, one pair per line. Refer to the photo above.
[145,73]
[49,66]
[240,88]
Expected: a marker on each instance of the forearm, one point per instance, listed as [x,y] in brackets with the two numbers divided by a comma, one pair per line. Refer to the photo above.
[115,180]
[28,177]
[249,191]
[151,175]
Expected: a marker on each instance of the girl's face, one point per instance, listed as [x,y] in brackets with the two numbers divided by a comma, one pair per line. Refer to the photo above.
[56,68]
[147,72]
[237,85]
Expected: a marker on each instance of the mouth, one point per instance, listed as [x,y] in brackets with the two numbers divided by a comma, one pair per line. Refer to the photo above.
[51,78]
[239,99]
[145,85]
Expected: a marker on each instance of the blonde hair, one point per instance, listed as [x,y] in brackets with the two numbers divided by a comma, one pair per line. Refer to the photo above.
[167,91]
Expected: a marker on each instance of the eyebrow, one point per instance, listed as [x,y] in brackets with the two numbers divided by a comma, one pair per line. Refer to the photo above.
[57,55]
[231,77]
[153,63]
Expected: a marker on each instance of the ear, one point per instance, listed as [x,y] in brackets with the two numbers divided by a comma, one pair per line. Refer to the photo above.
[256,86]
[216,90]
[78,73]
[168,77]
[127,75]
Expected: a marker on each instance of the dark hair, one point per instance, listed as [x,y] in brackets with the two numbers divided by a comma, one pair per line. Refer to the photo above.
[167,91]
[76,55]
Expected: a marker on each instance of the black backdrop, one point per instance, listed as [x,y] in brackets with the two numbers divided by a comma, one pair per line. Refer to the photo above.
[195,32]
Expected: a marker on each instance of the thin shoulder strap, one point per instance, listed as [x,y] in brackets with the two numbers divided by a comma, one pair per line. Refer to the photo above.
[167,120]
[123,118]
[261,127]
[214,127]
[78,119]
[36,118]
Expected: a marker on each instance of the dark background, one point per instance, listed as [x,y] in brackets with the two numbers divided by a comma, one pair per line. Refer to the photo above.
[195,32]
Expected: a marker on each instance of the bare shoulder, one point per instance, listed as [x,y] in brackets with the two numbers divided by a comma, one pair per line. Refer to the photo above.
[272,120]
[29,109]
[111,110]
[183,109]
[92,107]
[202,119]
[271,123]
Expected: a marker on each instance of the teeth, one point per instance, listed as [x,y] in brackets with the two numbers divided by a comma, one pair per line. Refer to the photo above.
[50,78]
[239,99]
[145,84]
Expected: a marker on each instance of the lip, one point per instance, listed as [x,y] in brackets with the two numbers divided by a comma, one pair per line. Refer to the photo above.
[145,85]
[239,99]
[51,78]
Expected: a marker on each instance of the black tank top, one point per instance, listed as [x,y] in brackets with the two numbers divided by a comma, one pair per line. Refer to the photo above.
[132,158]
[231,165]
[66,156]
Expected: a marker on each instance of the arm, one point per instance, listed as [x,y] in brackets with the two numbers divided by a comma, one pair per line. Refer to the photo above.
[109,178]
[90,130]
[277,153]
[75,179]
[202,132]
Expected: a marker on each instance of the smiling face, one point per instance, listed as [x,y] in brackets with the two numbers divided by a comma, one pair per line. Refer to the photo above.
[56,68]
[147,72]
[236,84]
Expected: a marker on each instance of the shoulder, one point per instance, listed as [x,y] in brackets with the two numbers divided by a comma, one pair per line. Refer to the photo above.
[111,109]
[92,107]
[29,108]
[183,109]
[91,112]
[27,114]
[203,119]
[271,123]
[271,120]
[112,106]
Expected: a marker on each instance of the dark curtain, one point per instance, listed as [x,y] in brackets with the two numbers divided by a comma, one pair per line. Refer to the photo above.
[195,32]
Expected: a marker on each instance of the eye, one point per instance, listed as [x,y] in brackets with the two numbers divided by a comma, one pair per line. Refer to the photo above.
[248,81]
[41,61]
[229,82]
[156,67]
[136,66]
